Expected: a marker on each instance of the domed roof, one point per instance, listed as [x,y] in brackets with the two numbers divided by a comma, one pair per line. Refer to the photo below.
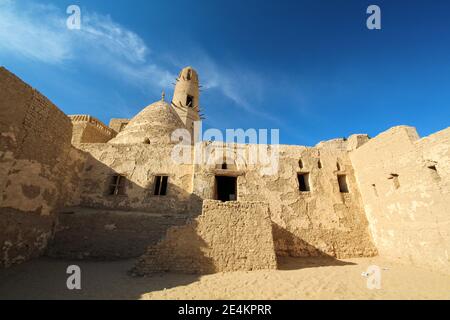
[154,124]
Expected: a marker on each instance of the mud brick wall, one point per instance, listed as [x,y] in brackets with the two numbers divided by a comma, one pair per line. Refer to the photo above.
[228,236]
[84,233]
[35,151]
[404,183]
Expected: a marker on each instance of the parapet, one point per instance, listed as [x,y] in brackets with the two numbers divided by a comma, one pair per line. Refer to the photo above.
[87,129]
[118,124]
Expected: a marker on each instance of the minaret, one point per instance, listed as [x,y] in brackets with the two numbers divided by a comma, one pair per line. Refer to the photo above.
[186,98]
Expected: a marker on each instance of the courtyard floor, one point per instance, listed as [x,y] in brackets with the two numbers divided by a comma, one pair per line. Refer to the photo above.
[298,278]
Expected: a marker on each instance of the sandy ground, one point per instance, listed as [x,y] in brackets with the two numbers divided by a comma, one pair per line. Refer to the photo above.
[309,278]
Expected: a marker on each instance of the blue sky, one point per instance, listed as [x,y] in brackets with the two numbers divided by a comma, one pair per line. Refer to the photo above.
[309,68]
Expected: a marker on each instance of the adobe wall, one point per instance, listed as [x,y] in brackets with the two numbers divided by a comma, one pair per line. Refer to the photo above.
[140,163]
[320,222]
[83,233]
[406,199]
[226,237]
[35,158]
[87,129]
[118,124]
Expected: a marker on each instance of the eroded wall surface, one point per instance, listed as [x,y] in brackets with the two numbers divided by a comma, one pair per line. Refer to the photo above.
[140,164]
[35,162]
[322,221]
[226,237]
[404,182]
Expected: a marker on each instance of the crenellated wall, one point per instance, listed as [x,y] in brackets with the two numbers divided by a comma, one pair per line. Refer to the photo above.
[87,129]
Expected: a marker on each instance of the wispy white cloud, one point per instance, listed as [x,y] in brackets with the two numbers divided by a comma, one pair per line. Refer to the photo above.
[23,31]
[39,32]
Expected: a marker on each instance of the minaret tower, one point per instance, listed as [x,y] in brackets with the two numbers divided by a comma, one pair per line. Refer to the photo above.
[186,98]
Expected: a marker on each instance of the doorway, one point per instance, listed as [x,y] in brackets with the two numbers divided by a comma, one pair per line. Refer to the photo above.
[226,188]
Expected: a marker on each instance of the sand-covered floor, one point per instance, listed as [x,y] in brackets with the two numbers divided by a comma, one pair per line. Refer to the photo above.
[298,279]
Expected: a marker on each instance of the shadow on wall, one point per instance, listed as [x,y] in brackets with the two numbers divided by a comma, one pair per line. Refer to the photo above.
[309,257]
[100,188]
[120,227]
[181,251]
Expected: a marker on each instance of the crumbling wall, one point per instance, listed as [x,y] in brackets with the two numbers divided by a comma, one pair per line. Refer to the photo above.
[404,182]
[228,236]
[84,233]
[321,221]
[35,151]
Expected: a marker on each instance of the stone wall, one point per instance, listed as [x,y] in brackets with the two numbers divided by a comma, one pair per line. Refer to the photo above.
[404,182]
[226,237]
[36,168]
[87,129]
[83,233]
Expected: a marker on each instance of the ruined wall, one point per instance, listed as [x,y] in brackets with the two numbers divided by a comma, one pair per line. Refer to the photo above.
[227,237]
[83,233]
[35,158]
[87,129]
[140,164]
[404,183]
[322,221]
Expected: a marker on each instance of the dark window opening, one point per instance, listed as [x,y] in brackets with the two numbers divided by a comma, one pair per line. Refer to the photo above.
[224,166]
[319,164]
[117,185]
[338,166]
[161,185]
[226,188]
[342,181]
[147,141]
[189,74]
[300,163]
[189,101]
[395,180]
[303,182]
